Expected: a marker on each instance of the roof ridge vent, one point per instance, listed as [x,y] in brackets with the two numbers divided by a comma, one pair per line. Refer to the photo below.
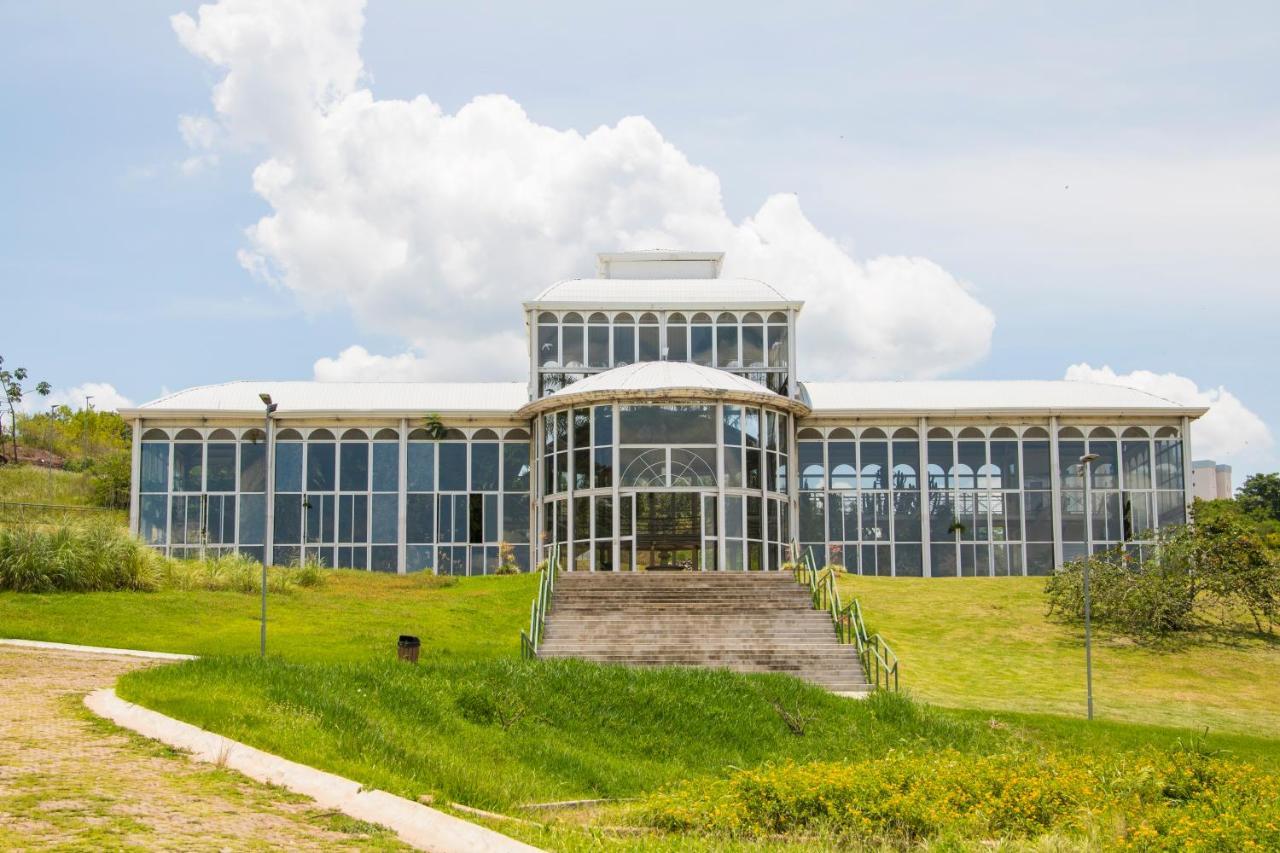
[659,264]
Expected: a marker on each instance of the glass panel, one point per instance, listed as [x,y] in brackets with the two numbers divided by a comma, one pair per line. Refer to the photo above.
[515,518]
[548,345]
[1137,464]
[1168,464]
[288,519]
[222,468]
[573,346]
[453,467]
[693,466]
[875,462]
[421,467]
[603,467]
[812,475]
[321,460]
[700,344]
[624,345]
[604,425]
[648,343]
[598,346]
[677,342]
[420,521]
[253,467]
[844,464]
[355,466]
[727,345]
[484,467]
[187,467]
[515,467]
[253,519]
[668,425]
[1035,460]
[777,346]
[733,425]
[155,467]
[386,467]
[288,467]
[752,346]
[386,518]
[153,514]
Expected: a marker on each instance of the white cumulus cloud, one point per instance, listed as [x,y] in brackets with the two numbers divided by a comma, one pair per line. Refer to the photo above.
[104,394]
[434,226]
[1227,431]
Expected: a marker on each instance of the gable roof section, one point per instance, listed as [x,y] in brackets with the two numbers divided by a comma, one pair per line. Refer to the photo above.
[375,398]
[975,397]
[708,293]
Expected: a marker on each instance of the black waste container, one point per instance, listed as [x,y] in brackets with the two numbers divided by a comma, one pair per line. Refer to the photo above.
[407,648]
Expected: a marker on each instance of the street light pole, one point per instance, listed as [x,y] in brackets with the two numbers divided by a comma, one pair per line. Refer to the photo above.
[88,407]
[1085,461]
[271,408]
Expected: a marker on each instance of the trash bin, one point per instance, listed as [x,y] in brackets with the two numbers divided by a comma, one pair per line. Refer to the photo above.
[407,648]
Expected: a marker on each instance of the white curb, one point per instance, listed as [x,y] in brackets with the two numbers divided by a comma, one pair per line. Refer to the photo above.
[422,827]
[94,650]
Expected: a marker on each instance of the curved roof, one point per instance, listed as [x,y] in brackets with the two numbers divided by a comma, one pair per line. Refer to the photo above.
[663,380]
[992,396]
[379,398]
[662,293]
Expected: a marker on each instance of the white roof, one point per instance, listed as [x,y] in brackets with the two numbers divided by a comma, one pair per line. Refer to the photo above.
[588,293]
[974,397]
[662,379]
[337,397]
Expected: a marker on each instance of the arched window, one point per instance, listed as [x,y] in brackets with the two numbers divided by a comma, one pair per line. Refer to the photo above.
[776,341]
[222,435]
[962,476]
[624,339]
[387,435]
[700,339]
[573,340]
[989,477]
[753,354]
[727,341]
[320,435]
[484,435]
[288,434]
[355,435]
[548,340]
[188,435]
[648,339]
[939,433]
[598,340]
[677,338]
[517,435]
[155,435]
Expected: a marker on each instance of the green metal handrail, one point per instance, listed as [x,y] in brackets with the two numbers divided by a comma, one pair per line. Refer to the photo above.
[531,639]
[879,661]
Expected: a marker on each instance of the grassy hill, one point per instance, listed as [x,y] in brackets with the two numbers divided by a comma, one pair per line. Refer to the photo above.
[986,643]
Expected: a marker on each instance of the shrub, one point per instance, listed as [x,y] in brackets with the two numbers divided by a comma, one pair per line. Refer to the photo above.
[1219,566]
[1151,800]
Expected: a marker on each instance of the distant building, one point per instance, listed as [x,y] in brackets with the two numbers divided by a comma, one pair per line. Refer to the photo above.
[1210,481]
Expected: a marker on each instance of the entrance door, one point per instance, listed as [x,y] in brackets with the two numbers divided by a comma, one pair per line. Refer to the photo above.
[668,531]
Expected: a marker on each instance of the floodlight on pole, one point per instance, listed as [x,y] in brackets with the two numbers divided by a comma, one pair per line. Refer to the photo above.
[270,410]
[1085,461]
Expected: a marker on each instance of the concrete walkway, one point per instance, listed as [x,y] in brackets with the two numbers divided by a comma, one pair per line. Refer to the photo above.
[50,664]
[69,781]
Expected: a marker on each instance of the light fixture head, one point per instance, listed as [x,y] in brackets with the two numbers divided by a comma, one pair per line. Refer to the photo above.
[265,398]
[1088,458]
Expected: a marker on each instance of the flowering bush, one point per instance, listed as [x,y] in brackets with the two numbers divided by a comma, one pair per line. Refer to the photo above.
[1145,801]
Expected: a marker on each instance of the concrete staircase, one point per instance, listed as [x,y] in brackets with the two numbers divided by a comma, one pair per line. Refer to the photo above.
[746,622]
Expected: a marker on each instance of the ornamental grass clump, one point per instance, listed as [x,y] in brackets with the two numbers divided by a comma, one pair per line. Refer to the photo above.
[76,558]
[104,557]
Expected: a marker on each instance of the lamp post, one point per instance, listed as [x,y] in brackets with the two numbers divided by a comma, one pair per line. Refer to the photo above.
[1085,461]
[270,410]
[88,407]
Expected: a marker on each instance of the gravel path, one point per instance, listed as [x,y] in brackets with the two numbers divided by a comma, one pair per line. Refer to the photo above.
[71,781]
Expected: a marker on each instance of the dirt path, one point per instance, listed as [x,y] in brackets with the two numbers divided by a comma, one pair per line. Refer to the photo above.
[71,781]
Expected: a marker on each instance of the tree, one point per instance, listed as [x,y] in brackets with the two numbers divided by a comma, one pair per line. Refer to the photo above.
[11,385]
[1261,494]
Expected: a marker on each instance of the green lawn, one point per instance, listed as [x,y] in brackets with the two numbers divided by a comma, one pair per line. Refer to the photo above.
[353,616]
[986,643]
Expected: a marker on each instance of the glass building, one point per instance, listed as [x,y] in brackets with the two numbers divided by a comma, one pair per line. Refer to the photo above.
[662,425]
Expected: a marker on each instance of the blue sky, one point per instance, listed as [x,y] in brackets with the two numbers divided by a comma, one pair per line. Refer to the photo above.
[1106,181]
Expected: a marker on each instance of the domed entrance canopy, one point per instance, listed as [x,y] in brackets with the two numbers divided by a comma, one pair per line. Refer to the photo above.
[657,381]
